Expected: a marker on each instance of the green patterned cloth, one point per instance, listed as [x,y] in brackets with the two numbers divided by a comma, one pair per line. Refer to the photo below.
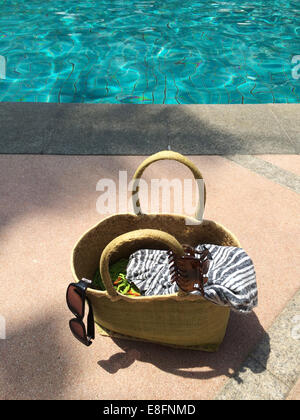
[117,273]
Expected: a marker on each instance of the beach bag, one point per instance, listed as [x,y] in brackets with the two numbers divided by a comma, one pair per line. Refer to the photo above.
[177,320]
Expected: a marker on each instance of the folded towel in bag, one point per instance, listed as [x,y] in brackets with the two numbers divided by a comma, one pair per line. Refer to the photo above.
[231,276]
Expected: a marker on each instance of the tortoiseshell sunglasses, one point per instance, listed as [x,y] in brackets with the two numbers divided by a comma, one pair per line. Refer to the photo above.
[76,297]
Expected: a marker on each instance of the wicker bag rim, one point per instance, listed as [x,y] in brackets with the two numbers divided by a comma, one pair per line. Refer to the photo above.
[176,296]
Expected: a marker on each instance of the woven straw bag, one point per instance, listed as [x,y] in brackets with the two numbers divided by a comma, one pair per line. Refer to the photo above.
[177,320]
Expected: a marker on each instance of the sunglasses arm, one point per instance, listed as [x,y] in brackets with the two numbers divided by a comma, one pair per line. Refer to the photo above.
[90,322]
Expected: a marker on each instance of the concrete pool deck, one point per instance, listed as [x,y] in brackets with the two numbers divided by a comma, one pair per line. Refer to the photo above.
[47,202]
[85,129]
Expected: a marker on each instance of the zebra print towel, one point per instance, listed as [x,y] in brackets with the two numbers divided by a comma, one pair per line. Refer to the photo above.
[231,276]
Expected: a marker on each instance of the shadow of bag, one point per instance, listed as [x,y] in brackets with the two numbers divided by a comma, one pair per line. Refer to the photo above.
[177,320]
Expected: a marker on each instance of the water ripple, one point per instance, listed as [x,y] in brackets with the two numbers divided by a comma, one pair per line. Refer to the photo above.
[166,51]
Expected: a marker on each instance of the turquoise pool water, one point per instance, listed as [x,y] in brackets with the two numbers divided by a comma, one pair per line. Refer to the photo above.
[147,51]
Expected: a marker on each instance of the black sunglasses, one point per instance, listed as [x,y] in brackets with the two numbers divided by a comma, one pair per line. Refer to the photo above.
[76,297]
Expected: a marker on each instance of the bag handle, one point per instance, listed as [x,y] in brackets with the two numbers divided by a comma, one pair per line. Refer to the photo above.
[134,240]
[167,155]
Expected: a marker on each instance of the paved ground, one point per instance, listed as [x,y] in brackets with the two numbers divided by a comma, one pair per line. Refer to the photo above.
[47,202]
[84,129]
[275,376]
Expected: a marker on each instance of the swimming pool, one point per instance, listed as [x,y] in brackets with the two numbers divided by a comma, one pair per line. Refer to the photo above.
[150,51]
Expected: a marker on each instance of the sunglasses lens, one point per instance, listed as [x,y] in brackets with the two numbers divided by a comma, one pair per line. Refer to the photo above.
[78,329]
[75,300]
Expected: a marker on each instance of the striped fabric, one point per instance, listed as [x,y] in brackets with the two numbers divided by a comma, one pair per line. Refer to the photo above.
[231,276]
